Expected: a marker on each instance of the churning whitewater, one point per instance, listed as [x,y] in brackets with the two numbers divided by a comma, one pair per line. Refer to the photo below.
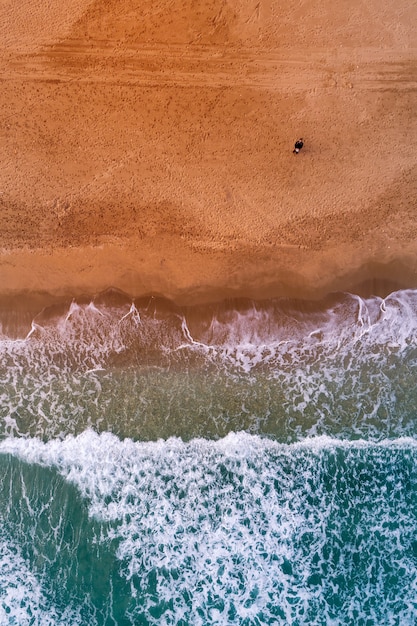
[242,463]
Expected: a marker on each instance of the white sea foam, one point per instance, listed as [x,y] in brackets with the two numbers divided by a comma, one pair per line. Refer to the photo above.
[246,528]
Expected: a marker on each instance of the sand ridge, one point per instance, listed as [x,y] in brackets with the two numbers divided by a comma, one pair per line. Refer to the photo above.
[150,148]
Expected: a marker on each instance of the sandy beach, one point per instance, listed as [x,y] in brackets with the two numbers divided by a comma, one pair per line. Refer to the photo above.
[150,148]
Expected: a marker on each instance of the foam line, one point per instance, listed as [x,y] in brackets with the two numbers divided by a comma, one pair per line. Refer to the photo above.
[346,368]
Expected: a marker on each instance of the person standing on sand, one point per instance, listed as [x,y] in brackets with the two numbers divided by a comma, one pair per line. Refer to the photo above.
[298,145]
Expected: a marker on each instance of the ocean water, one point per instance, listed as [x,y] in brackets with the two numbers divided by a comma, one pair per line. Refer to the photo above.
[243,463]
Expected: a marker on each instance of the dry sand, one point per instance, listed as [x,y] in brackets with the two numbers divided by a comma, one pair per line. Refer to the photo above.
[148,146]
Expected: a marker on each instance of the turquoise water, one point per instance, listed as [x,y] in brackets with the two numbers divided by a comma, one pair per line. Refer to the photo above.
[242,463]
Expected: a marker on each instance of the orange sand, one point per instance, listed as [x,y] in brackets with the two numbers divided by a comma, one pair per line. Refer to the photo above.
[148,146]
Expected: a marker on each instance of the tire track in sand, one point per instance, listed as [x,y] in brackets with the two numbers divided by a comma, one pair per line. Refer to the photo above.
[216,66]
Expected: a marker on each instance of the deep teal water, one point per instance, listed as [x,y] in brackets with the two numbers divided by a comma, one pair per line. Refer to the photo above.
[245,463]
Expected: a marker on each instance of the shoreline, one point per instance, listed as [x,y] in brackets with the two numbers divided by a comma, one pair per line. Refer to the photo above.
[20,309]
[45,277]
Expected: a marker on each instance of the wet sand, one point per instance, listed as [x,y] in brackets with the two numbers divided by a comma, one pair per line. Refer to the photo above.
[150,149]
